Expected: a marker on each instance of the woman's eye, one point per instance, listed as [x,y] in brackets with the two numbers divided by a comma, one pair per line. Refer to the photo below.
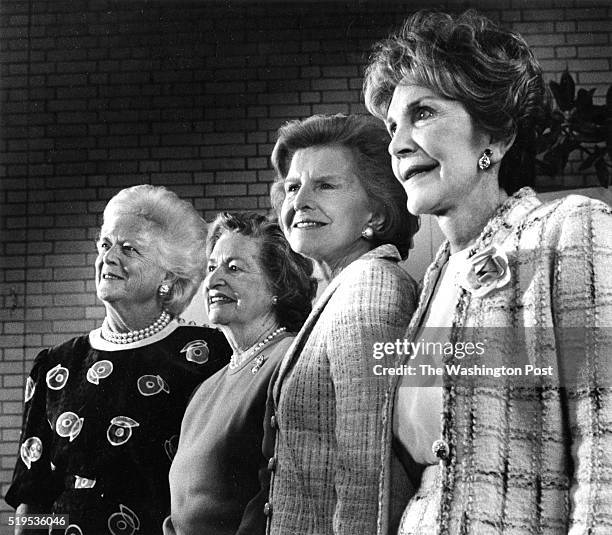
[291,187]
[210,268]
[128,249]
[232,267]
[392,128]
[422,113]
[326,185]
[102,246]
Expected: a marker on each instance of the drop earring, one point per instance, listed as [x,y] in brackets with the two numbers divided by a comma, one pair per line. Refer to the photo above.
[484,161]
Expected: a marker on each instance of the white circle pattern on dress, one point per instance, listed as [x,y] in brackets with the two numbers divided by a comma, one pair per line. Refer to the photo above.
[31,451]
[100,370]
[68,424]
[149,385]
[57,377]
[29,389]
[123,522]
[120,430]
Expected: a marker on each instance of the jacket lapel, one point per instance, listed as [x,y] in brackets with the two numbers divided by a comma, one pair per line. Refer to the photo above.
[383,251]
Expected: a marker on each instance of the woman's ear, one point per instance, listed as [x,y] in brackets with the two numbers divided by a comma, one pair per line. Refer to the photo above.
[377,221]
[500,147]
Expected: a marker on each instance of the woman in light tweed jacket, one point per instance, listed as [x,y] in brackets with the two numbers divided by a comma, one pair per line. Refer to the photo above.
[339,205]
[520,454]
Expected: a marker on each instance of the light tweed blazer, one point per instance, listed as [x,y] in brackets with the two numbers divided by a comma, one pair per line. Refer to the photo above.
[328,404]
[536,459]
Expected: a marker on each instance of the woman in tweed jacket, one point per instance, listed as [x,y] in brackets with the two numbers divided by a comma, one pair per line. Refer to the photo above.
[339,205]
[524,453]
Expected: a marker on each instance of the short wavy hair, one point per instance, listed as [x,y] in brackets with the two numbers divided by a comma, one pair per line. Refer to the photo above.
[288,273]
[467,58]
[368,141]
[180,237]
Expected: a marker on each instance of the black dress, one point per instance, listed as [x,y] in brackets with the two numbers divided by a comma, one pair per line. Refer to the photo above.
[101,425]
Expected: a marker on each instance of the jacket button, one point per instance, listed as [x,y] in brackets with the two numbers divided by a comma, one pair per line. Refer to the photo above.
[272,464]
[273,422]
[268,509]
[440,449]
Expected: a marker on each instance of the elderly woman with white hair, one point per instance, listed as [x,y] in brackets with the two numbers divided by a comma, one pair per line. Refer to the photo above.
[103,410]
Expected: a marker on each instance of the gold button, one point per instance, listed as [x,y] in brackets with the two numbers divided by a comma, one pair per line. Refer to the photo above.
[440,449]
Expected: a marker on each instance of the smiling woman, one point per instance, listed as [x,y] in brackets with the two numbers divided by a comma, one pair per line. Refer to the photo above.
[462,99]
[102,411]
[340,205]
[258,291]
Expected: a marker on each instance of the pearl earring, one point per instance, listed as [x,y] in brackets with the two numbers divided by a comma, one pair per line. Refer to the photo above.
[367,233]
[485,160]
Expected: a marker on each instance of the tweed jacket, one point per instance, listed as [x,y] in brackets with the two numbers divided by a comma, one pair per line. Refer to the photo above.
[327,403]
[535,457]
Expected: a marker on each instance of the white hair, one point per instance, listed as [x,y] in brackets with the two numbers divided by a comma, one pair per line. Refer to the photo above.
[181,239]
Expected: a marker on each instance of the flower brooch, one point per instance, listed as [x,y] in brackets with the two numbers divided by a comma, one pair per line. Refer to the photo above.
[487,271]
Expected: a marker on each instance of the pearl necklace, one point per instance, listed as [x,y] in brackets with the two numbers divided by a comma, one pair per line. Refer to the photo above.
[238,360]
[133,336]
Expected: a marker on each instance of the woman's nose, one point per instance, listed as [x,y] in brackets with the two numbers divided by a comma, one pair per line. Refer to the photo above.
[213,278]
[303,198]
[402,142]
[110,255]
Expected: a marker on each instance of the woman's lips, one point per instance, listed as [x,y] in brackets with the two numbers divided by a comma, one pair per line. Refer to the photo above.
[417,170]
[111,276]
[308,224]
[216,299]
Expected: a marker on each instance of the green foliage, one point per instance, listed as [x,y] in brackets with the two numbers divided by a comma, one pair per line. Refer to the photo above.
[576,124]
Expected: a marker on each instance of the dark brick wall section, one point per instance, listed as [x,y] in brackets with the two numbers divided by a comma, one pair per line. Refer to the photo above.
[98,95]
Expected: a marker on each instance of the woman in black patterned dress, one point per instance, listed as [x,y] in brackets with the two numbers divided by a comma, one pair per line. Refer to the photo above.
[103,411]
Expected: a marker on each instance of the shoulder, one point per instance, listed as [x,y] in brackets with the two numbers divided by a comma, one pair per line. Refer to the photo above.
[192,339]
[574,220]
[377,276]
[193,332]
[570,209]
[373,285]
[70,349]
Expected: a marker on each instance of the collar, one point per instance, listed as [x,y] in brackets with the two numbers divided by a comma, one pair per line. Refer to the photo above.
[386,251]
[507,216]
[97,342]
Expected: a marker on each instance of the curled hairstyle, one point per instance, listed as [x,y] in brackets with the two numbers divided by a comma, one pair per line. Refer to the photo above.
[180,237]
[288,274]
[368,140]
[491,71]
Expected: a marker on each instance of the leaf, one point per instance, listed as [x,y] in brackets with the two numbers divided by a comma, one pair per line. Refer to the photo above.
[592,158]
[586,132]
[584,99]
[603,175]
[609,121]
[568,88]
[555,89]
[545,168]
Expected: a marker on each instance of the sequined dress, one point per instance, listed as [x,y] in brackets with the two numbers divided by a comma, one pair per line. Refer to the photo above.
[101,424]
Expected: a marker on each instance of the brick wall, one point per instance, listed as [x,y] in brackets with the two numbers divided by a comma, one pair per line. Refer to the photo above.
[98,95]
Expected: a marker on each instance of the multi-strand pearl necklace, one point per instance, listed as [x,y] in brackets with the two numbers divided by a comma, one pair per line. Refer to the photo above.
[239,359]
[133,336]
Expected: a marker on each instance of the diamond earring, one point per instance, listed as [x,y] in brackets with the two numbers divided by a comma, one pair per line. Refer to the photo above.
[164,290]
[484,161]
